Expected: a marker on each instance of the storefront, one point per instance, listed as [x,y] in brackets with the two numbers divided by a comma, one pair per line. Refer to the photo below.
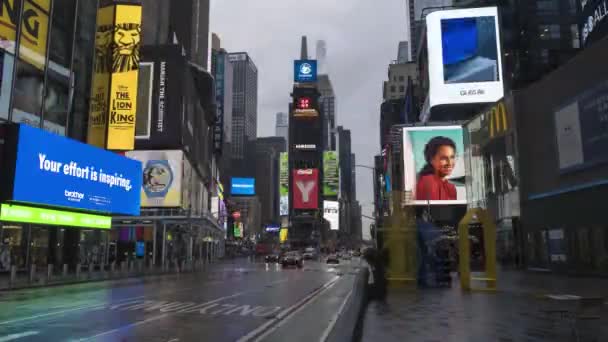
[492,175]
[57,197]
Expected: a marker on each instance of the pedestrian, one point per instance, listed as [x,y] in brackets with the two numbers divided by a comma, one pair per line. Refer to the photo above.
[376,283]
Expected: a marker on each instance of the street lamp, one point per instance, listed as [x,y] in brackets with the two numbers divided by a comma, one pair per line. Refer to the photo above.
[369,217]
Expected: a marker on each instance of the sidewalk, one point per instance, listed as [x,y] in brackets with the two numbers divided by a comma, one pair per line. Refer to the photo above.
[516,312]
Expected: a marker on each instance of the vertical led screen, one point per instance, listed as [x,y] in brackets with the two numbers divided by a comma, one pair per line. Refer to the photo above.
[433,163]
[284,184]
[464,56]
[305,189]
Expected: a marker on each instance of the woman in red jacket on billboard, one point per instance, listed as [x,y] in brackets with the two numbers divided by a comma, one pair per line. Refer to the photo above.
[433,185]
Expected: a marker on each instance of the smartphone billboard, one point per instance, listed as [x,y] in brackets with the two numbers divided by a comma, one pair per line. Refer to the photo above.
[433,163]
[464,56]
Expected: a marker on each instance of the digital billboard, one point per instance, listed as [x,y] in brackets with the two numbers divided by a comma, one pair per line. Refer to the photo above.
[464,56]
[20,213]
[162,177]
[305,70]
[242,186]
[331,176]
[305,188]
[434,170]
[331,212]
[593,20]
[48,169]
[284,184]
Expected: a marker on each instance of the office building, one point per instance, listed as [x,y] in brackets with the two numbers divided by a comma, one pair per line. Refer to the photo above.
[282,126]
[268,151]
[328,107]
[418,10]
[244,107]
[403,52]
[398,75]
[321,57]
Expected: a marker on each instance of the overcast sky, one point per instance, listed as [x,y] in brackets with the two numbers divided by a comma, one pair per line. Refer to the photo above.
[362,38]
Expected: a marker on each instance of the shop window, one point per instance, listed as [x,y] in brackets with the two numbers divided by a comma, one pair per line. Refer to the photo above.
[13,246]
[547,32]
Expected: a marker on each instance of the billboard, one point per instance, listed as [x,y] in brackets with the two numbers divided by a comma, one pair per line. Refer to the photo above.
[162,177]
[305,70]
[48,169]
[284,184]
[464,56]
[593,22]
[331,212]
[434,167]
[580,129]
[305,189]
[114,87]
[20,213]
[242,186]
[331,178]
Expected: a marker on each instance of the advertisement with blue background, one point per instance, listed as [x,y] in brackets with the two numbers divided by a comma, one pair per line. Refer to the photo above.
[242,186]
[53,170]
[305,70]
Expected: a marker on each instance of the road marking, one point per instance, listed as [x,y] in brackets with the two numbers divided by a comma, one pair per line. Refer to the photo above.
[287,313]
[12,337]
[334,319]
[132,325]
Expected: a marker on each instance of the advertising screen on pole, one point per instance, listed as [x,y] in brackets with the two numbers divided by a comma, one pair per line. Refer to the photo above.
[242,186]
[331,212]
[52,170]
[284,184]
[433,165]
[330,174]
[305,189]
[464,56]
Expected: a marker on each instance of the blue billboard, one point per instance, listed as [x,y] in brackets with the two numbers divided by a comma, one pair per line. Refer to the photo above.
[242,186]
[305,70]
[53,170]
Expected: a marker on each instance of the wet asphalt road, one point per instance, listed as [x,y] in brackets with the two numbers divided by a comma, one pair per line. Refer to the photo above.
[230,301]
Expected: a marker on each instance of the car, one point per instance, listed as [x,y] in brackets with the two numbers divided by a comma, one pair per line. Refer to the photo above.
[345,256]
[356,254]
[292,258]
[333,259]
[272,258]
[309,253]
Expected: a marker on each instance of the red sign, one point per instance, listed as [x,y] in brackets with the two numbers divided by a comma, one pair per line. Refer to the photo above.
[306,189]
[303,103]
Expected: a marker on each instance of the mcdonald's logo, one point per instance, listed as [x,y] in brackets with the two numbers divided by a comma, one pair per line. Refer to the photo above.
[498,119]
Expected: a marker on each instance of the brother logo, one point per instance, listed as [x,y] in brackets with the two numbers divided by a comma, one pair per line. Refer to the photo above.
[73,195]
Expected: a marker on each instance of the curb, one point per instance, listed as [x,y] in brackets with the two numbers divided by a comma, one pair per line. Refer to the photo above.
[349,324]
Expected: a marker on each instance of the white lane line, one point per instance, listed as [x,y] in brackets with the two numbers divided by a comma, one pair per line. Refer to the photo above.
[335,317]
[155,318]
[12,337]
[297,307]
[52,313]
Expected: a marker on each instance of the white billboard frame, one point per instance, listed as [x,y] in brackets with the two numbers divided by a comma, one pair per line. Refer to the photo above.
[440,92]
[332,217]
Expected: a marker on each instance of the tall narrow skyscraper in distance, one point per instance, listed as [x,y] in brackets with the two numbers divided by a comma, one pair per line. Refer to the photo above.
[328,107]
[304,48]
[282,126]
[244,109]
[321,56]
[403,53]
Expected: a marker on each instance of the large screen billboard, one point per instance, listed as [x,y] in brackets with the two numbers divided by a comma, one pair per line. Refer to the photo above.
[330,174]
[284,184]
[305,70]
[48,169]
[242,186]
[331,212]
[162,177]
[464,56]
[305,189]
[433,165]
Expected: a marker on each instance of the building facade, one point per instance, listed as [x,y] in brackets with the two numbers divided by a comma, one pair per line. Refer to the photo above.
[282,126]
[398,75]
[244,104]
[268,151]
[328,106]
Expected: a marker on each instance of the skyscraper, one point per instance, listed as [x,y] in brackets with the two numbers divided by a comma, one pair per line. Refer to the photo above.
[328,107]
[403,52]
[282,126]
[244,105]
[321,56]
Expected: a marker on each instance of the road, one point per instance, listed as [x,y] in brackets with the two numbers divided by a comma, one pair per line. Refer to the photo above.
[231,301]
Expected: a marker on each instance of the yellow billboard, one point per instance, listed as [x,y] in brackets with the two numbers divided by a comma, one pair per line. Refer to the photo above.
[34,29]
[114,89]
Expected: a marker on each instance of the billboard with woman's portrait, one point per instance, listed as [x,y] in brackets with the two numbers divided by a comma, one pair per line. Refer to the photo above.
[433,165]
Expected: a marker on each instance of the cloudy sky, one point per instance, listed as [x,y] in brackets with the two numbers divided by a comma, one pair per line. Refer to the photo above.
[362,38]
